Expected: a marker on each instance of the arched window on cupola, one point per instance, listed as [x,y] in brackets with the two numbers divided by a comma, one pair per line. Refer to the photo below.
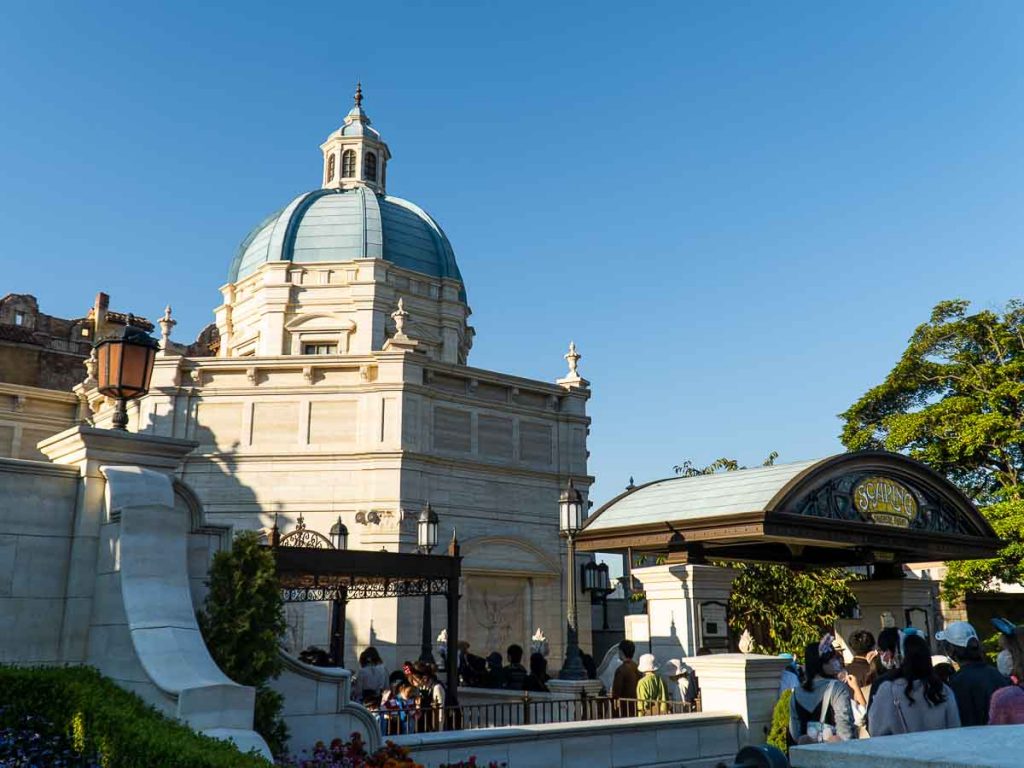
[330,167]
[370,167]
[348,163]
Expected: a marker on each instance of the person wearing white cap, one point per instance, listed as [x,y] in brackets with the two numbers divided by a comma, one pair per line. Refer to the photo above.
[651,695]
[681,681]
[976,680]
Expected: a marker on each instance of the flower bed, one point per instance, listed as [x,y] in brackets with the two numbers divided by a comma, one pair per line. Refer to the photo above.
[351,754]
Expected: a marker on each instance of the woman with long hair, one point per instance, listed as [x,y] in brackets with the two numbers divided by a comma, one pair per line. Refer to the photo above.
[372,677]
[1007,704]
[916,699]
[821,708]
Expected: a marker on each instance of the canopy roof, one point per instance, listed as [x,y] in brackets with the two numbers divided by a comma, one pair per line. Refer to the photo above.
[850,509]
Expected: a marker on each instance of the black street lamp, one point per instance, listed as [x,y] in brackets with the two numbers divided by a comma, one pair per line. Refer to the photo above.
[598,584]
[339,535]
[426,540]
[124,366]
[339,605]
[570,521]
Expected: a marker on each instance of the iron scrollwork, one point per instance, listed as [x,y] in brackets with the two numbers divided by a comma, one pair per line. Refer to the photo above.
[835,501]
[301,536]
[360,589]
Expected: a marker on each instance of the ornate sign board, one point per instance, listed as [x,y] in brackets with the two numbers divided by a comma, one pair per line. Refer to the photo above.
[885,501]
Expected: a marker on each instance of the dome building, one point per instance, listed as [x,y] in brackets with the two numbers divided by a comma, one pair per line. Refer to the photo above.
[340,389]
[323,274]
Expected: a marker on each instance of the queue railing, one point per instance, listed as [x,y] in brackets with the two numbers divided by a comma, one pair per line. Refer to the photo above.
[528,710]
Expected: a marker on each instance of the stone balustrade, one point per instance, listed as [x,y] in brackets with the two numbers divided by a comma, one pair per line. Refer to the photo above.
[699,740]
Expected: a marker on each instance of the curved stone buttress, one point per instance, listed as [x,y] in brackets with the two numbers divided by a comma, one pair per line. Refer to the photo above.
[151,561]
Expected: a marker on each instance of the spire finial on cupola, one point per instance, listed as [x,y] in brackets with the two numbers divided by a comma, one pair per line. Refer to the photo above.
[359,95]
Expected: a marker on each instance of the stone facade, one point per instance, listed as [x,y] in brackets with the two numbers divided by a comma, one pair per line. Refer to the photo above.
[341,389]
[371,439]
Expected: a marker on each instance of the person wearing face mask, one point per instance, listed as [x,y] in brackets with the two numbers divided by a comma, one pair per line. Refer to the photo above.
[886,663]
[1007,634]
[821,708]
[916,699]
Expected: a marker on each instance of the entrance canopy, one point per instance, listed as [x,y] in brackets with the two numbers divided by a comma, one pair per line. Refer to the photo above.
[850,509]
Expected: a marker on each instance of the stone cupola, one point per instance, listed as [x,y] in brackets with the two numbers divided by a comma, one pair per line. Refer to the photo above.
[355,155]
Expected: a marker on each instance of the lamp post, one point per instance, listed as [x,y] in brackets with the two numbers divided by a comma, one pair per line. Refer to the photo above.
[339,538]
[426,540]
[124,366]
[570,520]
[596,582]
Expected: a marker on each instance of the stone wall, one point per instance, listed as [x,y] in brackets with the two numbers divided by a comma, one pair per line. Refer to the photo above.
[700,740]
[29,414]
[37,507]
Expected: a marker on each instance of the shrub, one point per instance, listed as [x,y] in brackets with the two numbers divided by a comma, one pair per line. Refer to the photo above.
[75,709]
[242,623]
[778,734]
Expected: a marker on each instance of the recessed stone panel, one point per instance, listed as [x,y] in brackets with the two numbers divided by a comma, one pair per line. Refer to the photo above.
[275,424]
[219,425]
[452,430]
[535,442]
[495,436]
[333,422]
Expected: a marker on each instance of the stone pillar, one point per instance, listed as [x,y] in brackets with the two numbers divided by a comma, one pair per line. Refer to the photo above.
[679,595]
[907,601]
[744,684]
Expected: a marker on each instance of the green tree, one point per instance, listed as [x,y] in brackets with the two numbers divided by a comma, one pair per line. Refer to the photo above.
[955,401]
[242,622]
[783,608]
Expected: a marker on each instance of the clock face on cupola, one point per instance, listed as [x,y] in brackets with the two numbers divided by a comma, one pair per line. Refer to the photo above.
[349,252]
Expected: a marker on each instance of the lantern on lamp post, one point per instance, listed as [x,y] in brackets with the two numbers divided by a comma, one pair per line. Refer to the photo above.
[339,535]
[124,366]
[598,584]
[426,540]
[570,521]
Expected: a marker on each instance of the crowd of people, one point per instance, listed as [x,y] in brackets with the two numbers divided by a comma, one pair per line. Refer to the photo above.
[413,699]
[894,684]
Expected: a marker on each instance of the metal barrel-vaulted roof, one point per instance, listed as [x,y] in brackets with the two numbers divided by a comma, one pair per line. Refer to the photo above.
[699,497]
[853,508]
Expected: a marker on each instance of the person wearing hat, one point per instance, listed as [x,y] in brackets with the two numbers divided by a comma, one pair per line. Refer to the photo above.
[976,681]
[1004,661]
[683,686]
[651,694]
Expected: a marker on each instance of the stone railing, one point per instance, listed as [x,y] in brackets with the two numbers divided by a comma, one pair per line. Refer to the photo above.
[686,741]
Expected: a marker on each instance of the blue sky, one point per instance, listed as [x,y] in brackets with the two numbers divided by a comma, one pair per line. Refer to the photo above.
[739,211]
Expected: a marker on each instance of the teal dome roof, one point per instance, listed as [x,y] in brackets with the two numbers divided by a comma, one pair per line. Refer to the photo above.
[342,225]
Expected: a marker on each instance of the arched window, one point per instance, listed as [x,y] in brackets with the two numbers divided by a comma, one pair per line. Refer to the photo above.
[330,167]
[370,167]
[348,164]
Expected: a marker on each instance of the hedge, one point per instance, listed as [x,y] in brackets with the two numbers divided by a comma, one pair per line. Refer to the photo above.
[107,722]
